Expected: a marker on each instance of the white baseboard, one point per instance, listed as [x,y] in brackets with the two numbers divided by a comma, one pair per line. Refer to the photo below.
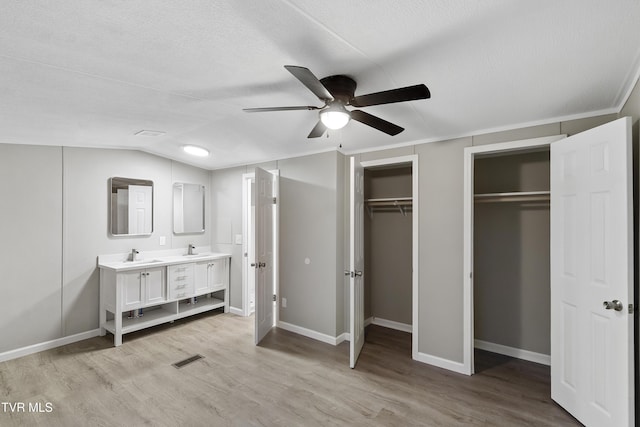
[47,345]
[391,324]
[237,311]
[311,333]
[380,322]
[440,362]
[518,353]
[345,336]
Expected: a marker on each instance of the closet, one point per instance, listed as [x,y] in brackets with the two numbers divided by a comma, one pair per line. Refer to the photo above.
[511,283]
[388,246]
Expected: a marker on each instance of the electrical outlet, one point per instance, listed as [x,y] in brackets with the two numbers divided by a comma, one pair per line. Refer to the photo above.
[284,302]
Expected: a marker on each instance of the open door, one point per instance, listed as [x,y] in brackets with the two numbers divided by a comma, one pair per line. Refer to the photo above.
[356,262]
[592,275]
[264,256]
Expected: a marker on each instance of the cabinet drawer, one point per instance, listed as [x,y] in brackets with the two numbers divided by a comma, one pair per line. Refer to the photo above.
[181,281]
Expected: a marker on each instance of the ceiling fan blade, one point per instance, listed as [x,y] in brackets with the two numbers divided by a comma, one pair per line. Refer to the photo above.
[409,93]
[318,130]
[312,83]
[263,109]
[376,122]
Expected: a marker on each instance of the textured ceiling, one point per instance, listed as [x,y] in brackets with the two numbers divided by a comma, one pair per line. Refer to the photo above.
[93,73]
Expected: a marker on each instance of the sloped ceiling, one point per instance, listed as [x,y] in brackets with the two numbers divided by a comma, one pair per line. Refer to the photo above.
[93,73]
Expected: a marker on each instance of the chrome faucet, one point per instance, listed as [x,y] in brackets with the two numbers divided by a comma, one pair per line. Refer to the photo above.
[134,254]
[191,248]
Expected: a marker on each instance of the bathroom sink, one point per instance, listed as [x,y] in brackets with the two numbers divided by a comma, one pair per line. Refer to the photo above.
[197,255]
[142,261]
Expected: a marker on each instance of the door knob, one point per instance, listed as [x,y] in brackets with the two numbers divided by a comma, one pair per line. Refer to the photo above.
[358,273]
[253,264]
[262,264]
[612,305]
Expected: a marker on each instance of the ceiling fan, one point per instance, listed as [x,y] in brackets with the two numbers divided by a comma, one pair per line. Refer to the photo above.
[337,92]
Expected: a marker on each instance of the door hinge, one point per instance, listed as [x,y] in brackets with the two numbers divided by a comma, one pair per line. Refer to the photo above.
[274,297]
[631,309]
[275,200]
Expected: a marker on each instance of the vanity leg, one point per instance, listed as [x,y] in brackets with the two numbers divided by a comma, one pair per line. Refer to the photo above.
[117,336]
[103,320]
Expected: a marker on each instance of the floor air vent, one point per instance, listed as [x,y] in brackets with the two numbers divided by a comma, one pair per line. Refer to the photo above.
[186,361]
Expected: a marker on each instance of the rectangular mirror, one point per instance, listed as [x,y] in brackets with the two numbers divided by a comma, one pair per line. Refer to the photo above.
[131,206]
[188,208]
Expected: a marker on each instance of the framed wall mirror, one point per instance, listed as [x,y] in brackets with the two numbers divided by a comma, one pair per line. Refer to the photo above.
[131,206]
[188,208]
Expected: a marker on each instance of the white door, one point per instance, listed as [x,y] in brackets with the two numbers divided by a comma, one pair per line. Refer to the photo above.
[140,209]
[264,194]
[591,265]
[356,262]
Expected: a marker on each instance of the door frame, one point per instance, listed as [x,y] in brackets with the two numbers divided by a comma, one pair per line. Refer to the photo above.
[412,160]
[468,335]
[247,178]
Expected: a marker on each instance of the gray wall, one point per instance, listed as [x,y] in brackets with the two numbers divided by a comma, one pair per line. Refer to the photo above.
[388,248]
[511,254]
[31,249]
[311,226]
[69,228]
[308,215]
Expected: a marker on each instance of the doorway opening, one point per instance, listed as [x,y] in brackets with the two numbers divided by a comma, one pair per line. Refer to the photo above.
[511,254]
[394,191]
[507,250]
[388,236]
[249,244]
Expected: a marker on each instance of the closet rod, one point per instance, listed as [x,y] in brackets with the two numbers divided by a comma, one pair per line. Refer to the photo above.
[517,196]
[401,203]
[390,201]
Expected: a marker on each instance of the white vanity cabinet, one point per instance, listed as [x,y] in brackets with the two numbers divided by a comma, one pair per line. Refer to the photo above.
[138,295]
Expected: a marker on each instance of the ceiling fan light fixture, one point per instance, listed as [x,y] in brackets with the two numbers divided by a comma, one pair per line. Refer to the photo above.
[335,117]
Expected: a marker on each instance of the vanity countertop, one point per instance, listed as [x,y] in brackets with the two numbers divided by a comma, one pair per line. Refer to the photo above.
[120,262]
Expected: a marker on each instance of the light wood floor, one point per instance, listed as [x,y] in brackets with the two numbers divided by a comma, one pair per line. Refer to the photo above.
[289,380]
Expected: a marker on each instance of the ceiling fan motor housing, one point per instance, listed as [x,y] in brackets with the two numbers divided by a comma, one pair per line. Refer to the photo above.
[341,87]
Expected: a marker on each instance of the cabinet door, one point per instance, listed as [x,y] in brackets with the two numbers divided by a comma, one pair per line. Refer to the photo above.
[131,282]
[155,285]
[202,277]
[217,269]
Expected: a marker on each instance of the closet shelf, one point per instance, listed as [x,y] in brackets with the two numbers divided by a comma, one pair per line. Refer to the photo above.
[516,196]
[402,204]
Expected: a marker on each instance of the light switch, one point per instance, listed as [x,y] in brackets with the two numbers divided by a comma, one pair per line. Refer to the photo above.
[163,240]
[238,239]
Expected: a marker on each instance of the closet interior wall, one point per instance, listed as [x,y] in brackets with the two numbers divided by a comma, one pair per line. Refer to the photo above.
[511,253]
[388,247]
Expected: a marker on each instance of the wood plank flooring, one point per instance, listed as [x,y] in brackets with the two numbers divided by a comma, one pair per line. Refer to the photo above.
[289,380]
